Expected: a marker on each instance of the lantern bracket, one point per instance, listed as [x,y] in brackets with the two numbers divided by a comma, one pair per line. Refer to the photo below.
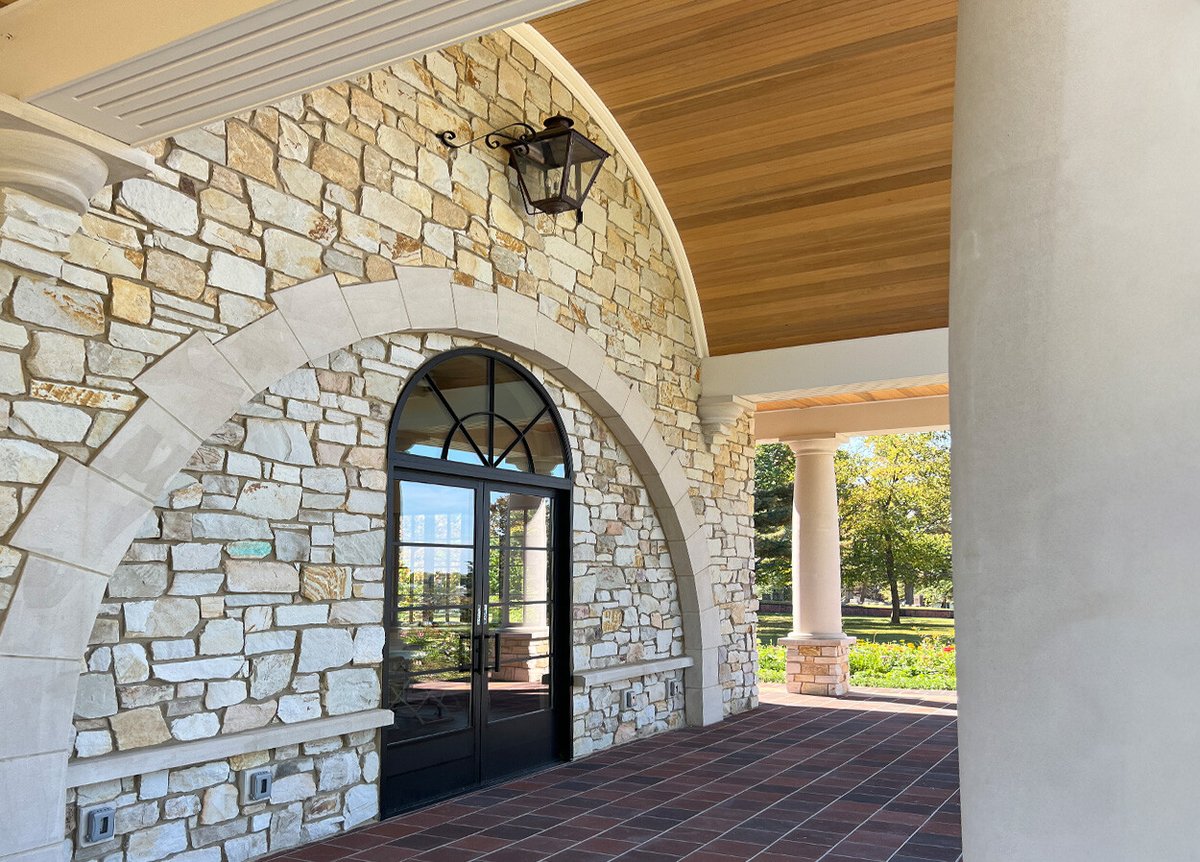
[495,139]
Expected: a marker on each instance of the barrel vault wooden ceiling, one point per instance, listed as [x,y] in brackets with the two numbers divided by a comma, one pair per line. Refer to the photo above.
[802,147]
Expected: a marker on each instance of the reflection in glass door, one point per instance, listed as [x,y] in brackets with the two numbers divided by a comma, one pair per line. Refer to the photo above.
[518,701]
[432,640]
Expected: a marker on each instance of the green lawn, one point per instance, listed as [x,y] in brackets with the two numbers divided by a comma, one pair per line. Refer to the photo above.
[771,627]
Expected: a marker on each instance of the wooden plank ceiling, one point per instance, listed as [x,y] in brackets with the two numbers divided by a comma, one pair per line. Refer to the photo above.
[802,147]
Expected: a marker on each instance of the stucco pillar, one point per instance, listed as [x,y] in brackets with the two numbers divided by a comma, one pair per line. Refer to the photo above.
[818,651]
[1075,406]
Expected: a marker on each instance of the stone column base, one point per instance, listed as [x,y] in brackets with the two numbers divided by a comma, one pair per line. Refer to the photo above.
[818,666]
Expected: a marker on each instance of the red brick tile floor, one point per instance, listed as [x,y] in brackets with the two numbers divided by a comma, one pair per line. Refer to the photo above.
[869,778]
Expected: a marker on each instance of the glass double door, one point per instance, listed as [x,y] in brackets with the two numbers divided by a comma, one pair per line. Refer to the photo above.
[473,674]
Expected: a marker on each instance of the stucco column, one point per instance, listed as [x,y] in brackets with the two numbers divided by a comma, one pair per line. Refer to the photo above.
[1075,406]
[818,649]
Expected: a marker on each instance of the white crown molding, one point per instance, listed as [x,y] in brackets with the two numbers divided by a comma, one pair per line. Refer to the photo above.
[561,68]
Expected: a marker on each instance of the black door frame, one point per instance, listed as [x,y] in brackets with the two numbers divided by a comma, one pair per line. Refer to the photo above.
[483,479]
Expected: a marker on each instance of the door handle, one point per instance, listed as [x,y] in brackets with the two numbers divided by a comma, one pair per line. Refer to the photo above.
[496,651]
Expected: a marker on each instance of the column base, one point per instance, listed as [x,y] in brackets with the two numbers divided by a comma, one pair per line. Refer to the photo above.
[819,666]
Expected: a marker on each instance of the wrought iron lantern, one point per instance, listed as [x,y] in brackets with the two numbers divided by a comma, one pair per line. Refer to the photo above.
[555,167]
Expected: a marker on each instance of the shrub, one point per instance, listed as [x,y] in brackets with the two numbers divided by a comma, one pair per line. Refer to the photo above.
[929,665]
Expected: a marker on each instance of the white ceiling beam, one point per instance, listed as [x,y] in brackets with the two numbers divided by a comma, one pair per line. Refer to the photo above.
[899,416]
[854,365]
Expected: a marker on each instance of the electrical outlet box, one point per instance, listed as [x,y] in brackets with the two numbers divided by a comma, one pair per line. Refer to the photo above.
[627,699]
[673,688]
[97,824]
[256,785]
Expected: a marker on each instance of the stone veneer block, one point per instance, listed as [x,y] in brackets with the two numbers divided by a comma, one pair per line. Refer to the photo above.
[52,611]
[674,481]
[632,670]
[35,722]
[318,315]
[263,351]
[588,362]
[82,517]
[552,344]
[377,307]
[705,669]
[476,311]
[635,422]
[699,599]
[703,624]
[427,298]
[516,324]
[196,385]
[680,523]
[32,810]
[650,458]
[147,450]
[819,666]
[611,395]
[704,705]
[173,755]
[50,853]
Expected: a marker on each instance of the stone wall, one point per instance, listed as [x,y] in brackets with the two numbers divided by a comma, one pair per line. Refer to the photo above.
[349,180]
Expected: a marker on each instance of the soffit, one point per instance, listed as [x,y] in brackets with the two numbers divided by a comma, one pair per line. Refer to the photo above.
[802,147]
[188,64]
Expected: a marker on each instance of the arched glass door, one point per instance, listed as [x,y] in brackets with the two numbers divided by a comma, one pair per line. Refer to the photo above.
[477,664]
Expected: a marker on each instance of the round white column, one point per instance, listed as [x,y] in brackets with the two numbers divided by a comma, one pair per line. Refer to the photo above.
[1075,406]
[816,548]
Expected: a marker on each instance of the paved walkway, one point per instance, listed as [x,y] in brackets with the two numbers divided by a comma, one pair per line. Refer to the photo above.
[871,777]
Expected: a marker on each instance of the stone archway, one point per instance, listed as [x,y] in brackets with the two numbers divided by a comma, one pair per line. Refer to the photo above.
[86,516]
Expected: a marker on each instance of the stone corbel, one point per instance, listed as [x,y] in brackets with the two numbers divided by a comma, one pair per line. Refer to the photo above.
[719,414]
[58,161]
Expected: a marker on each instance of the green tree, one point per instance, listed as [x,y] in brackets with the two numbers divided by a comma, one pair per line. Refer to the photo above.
[894,503]
[774,472]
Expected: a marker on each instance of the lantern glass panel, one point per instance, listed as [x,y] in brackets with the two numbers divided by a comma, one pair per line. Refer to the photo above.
[585,165]
[542,166]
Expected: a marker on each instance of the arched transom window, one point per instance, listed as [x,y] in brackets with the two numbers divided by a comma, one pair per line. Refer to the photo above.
[479,408]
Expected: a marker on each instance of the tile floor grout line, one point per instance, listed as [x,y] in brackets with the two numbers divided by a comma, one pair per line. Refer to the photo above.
[855,715]
[907,787]
[775,724]
[815,778]
[857,786]
[707,783]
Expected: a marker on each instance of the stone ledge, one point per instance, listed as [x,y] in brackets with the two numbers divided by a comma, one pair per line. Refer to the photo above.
[602,675]
[175,754]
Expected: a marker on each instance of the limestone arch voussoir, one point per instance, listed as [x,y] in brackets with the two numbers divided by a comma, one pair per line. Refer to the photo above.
[86,516]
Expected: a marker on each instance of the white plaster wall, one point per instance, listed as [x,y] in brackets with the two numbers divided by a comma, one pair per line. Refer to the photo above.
[1074,297]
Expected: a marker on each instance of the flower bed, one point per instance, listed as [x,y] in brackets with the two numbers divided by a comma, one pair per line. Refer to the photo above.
[928,665]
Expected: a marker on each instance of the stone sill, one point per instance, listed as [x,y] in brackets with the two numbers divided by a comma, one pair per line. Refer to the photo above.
[602,675]
[173,755]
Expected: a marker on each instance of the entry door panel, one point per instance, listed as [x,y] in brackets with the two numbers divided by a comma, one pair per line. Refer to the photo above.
[433,640]
[471,663]
[518,700]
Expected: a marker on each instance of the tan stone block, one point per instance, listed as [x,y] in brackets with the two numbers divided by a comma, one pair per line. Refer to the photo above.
[329,104]
[365,108]
[338,166]
[136,728]
[131,301]
[323,583]
[224,207]
[175,274]
[249,152]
